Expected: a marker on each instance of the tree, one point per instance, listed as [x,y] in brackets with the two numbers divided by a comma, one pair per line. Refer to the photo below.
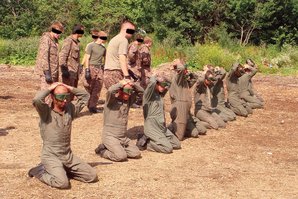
[242,17]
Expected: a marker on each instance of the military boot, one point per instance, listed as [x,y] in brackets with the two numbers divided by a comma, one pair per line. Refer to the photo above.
[142,142]
[100,149]
[36,171]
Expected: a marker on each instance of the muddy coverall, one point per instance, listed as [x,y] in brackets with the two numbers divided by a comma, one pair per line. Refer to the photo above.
[55,129]
[218,97]
[118,145]
[238,106]
[203,109]
[195,127]
[180,96]
[161,139]
[244,87]
[69,60]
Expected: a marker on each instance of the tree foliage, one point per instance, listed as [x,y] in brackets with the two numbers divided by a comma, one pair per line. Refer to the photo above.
[175,21]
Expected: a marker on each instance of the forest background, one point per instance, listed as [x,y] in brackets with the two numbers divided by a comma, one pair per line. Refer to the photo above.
[218,32]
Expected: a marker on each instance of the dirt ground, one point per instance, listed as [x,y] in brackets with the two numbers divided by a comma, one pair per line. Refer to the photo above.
[254,157]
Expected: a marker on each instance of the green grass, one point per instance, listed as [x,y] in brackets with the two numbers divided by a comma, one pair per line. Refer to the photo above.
[284,62]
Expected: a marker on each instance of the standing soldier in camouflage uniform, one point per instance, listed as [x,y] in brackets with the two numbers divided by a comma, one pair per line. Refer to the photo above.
[245,85]
[218,96]
[132,55]
[58,163]
[95,56]
[116,146]
[238,106]
[116,67]
[144,61]
[94,34]
[203,109]
[157,136]
[48,58]
[69,57]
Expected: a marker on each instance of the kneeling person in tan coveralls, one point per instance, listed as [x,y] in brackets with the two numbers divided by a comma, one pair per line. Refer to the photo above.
[58,163]
[116,146]
[159,137]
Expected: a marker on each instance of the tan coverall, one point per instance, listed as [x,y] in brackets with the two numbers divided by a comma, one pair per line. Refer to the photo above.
[55,129]
[218,98]
[180,104]
[161,139]
[118,145]
[245,93]
[203,109]
[238,106]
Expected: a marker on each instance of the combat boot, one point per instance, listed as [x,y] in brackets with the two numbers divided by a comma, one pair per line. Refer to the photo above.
[142,142]
[36,171]
[100,149]
[95,110]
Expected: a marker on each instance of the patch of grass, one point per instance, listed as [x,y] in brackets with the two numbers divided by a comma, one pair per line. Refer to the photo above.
[269,58]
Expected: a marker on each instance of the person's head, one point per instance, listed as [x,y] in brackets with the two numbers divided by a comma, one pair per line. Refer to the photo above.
[94,34]
[125,92]
[247,68]
[78,31]
[148,41]
[161,84]
[209,78]
[60,96]
[128,29]
[139,39]
[250,62]
[208,67]
[240,70]
[56,29]
[103,36]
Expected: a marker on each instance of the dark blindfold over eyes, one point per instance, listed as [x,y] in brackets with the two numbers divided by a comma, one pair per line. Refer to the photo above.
[130,31]
[62,97]
[103,38]
[81,32]
[140,40]
[56,31]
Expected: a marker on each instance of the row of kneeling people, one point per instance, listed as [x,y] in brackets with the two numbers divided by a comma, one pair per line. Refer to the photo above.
[213,108]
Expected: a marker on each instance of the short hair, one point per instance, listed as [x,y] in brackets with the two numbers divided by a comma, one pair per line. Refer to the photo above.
[77,27]
[57,25]
[94,31]
[126,21]
[139,36]
[208,74]
[147,40]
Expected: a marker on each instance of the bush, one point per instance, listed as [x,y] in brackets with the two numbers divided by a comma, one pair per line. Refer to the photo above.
[19,52]
[269,58]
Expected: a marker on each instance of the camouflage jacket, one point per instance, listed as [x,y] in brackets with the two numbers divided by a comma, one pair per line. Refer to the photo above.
[132,54]
[47,56]
[144,57]
[70,56]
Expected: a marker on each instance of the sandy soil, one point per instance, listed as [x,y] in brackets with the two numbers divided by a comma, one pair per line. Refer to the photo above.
[254,157]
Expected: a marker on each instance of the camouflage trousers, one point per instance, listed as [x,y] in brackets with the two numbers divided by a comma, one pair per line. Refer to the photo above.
[112,77]
[44,85]
[94,85]
[70,81]
[144,74]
